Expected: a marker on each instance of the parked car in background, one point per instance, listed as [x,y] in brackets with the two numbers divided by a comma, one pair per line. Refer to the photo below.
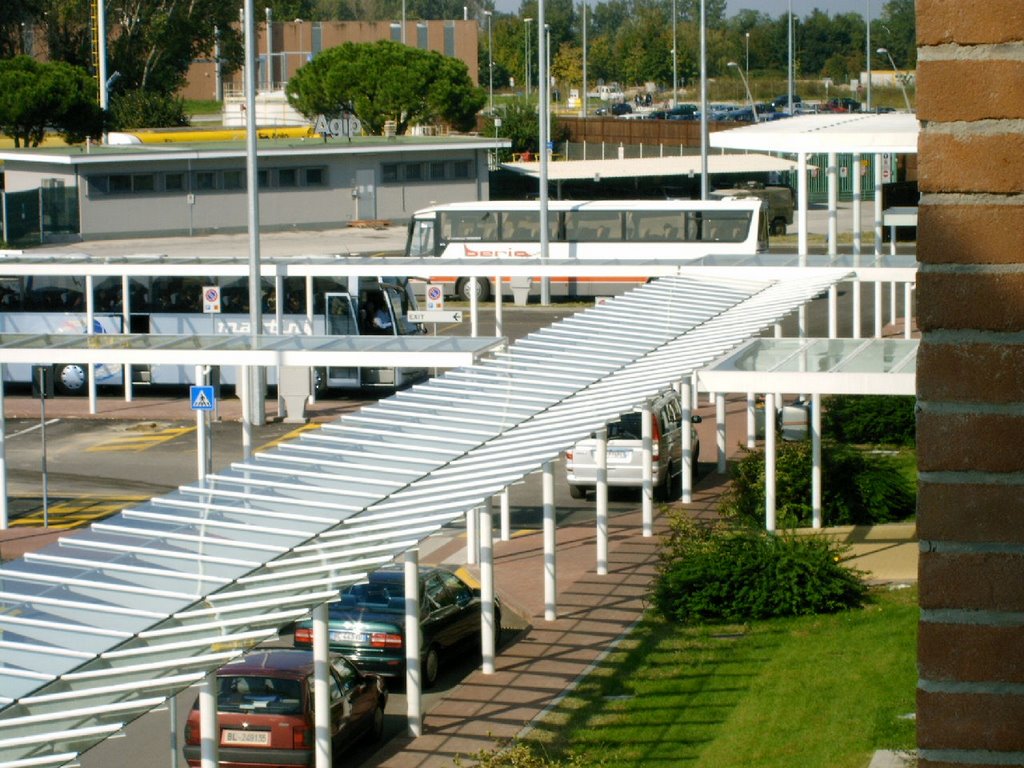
[782,102]
[621,108]
[842,105]
[625,454]
[265,709]
[367,623]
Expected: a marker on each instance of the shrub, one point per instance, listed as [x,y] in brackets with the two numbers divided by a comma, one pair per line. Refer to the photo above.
[147,109]
[858,488]
[517,754]
[869,419]
[714,573]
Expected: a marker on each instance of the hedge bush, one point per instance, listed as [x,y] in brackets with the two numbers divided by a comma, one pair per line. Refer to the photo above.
[712,573]
[858,488]
[869,419]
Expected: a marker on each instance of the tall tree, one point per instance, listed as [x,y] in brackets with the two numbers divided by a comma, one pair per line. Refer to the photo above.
[387,81]
[896,30]
[35,96]
[16,16]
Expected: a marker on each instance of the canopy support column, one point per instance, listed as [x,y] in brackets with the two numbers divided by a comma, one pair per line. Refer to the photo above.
[321,691]
[506,528]
[857,239]
[816,460]
[550,580]
[3,455]
[601,500]
[686,419]
[209,731]
[769,462]
[833,204]
[413,676]
[489,630]
[472,535]
[751,420]
[720,432]
[647,463]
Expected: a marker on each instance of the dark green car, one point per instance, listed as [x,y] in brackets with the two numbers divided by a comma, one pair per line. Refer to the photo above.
[367,623]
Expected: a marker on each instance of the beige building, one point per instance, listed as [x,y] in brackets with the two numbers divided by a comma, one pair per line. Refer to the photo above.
[284,46]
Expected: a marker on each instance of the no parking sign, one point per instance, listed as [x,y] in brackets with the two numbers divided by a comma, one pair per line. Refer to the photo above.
[211,298]
[435,297]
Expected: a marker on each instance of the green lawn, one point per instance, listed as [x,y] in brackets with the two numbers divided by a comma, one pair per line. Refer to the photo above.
[812,691]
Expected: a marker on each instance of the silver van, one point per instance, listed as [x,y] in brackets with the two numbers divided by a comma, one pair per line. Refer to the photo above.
[625,455]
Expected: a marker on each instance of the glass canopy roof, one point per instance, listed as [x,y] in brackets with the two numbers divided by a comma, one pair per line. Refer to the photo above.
[102,626]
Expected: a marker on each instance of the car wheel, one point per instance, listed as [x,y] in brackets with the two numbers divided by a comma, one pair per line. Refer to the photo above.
[664,490]
[431,665]
[497,627]
[578,491]
[72,379]
[376,731]
[478,284]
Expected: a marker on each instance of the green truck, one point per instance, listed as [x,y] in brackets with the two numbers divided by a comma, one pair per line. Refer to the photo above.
[779,199]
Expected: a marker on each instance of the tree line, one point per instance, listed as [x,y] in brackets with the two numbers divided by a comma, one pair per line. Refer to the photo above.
[152,43]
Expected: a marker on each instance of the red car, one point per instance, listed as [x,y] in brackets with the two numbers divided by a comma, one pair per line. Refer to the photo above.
[265,709]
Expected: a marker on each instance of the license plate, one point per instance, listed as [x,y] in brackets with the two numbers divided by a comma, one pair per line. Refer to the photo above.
[257,738]
[619,455]
[339,636]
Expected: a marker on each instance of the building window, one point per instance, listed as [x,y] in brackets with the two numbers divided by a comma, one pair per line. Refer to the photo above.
[143,182]
[234,180]
[119,183]
[263,179]
[206,180]
[413,172]
[421,36]
[316,177]
[449,39]
[287,177]
[460,169]
[396,32]
[437,170]
[174,182]
[389,173]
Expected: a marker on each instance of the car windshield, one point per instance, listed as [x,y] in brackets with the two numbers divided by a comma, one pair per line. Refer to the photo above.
[256,694]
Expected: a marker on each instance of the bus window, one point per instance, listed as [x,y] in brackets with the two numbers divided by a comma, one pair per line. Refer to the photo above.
[520,226]
[468,225]
[421,238]
[583,226]
[341,315]
[725,226]
[653,226]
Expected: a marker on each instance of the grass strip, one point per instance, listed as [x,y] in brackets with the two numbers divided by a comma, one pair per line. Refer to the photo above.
[816,690]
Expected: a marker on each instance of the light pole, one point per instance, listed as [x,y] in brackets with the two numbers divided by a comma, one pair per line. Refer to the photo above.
[526,22]
[906,99]
[490,63]
[583,99]
[867,48]
[750,98]
[789,60]
[747,67]
[270,48]
[675,66]
[704,190]
[298,25]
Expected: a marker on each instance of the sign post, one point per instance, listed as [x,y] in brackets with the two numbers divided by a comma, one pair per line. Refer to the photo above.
[203,400]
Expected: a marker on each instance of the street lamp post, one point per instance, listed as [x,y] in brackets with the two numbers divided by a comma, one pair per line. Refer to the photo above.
[906,99]
[675,65]
[747,67]
[583,96]
[867,49]
[789,60]
[526,22]
[750,98]
[490,63]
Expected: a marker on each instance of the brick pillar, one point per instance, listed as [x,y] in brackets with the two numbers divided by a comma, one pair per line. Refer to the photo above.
[970,384]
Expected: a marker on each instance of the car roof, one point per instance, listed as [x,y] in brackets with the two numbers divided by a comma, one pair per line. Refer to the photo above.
[294,663]
[394,573]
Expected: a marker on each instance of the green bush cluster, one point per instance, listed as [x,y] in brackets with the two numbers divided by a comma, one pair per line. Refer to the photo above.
[147,109]
[869,419]
[518,754]
[858,488]
[713,573]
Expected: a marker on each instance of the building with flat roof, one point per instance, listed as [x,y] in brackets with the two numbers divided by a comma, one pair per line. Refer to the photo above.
[198,188]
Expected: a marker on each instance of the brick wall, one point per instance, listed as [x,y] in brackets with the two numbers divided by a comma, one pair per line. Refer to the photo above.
[971,382]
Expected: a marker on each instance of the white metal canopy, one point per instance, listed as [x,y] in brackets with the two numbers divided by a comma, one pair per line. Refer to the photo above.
[100,627]
[868,133]
[644,167]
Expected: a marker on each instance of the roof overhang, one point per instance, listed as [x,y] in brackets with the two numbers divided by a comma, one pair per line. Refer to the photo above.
[816,367]
[894,132]
[646,167]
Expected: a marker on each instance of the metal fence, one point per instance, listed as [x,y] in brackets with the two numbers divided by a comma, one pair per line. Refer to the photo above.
[29,217]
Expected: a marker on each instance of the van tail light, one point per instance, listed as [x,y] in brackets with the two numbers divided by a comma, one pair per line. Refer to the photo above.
[303,636]
[385,640]
[302,737]
[655,439]
[568,455]
[191,733]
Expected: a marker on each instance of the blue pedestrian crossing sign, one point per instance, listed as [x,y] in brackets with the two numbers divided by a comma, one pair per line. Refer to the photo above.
[202,398]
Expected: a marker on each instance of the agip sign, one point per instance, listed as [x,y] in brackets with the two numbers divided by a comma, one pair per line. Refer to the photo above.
[346,126]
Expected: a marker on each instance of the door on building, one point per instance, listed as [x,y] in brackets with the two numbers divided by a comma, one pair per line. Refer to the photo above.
[366,184]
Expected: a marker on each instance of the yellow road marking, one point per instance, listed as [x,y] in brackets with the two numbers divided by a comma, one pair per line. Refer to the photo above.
[137,443]
[289,435]
[78,512]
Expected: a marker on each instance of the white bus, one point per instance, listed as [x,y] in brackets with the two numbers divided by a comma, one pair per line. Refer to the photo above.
[596,229]
[54,303]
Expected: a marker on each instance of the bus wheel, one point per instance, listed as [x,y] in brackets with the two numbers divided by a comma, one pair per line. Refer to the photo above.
[71,379]
[319,381]
[478,284]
